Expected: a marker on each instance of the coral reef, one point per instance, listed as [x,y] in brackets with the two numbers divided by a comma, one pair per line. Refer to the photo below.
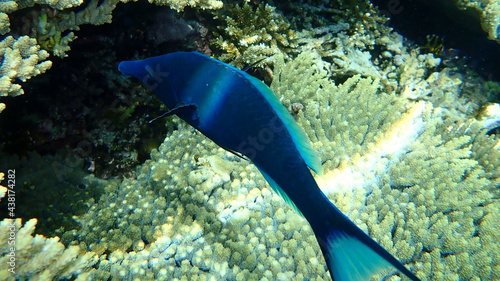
[196,211]
[246,34]
[400,68]
[488,12]
[50,23]
[179,5]
[37,257]
[403,138]
[48,26]
[3,189]
[402,177]
[21,59]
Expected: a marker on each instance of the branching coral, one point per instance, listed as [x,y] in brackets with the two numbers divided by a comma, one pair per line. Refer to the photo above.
[21,59]
[179,5]
[37,257]
[421,184]
[49,25]
[488,12]
[248,34]
[442,168]
[196,211]
[171,223]
[3,189]
[381,54]
[385,157]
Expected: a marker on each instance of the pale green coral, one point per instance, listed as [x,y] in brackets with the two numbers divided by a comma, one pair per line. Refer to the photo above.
[164,224]
[25,57]
[21,59]
[401,172]
[39,258]
[49,23]
[247,34]
[4,23]
[196,211]
[421,182]
[5,8]
[441,174]
[390,169]
[489,15]
[179,5]
[400,69]
[305,81]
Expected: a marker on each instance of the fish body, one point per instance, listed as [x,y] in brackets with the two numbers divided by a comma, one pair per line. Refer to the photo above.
[241,114]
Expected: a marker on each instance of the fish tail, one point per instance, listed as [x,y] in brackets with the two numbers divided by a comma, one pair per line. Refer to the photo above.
[349,252]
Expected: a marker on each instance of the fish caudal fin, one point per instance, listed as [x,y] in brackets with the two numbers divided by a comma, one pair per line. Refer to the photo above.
[351,255]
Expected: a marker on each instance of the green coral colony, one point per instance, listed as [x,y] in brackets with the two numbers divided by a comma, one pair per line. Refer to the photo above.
[407,144]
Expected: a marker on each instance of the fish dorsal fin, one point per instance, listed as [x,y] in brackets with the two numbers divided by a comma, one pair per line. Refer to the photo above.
[298,136]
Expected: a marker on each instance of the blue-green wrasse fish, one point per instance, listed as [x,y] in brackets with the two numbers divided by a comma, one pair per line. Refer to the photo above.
[241,114]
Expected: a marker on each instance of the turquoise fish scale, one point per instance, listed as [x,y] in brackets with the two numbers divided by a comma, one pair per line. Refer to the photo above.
[241,114]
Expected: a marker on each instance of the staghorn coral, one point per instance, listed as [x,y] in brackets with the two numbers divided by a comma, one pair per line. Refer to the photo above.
[196,211]
[312,88]
[37,257]
[21,59]
[462,188]
[188,215]
[247,34]
[170,223]
[180,5]
[423,185]
[382,54]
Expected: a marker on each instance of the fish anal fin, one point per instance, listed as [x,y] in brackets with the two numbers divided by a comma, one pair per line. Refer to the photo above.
[280,191]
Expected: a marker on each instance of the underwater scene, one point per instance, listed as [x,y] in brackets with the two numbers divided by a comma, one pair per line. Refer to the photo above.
[250,140]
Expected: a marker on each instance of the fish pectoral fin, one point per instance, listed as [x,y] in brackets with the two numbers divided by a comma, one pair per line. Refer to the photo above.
[238,154]
[185,110]
[181,110]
